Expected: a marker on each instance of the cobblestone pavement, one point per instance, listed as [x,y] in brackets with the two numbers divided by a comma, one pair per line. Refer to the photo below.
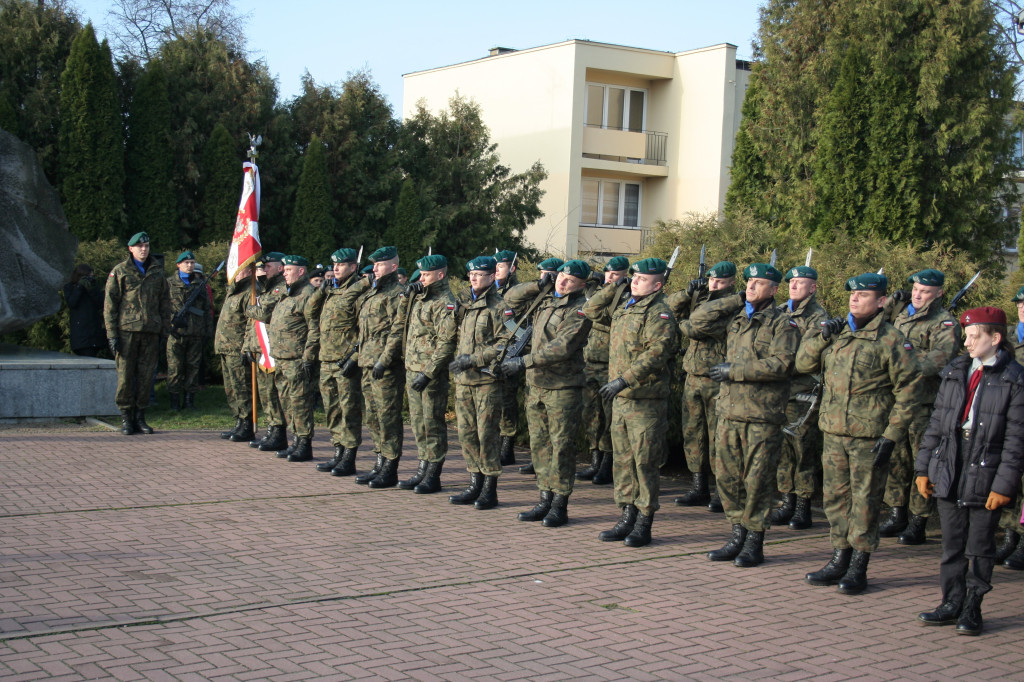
[182,556]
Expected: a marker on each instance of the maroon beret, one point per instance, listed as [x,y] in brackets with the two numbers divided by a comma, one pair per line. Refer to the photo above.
[983,315]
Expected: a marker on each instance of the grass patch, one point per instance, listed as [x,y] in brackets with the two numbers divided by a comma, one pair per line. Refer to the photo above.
[211,413]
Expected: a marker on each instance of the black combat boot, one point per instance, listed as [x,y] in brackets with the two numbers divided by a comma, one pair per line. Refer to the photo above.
[488,498]
[731,549]
[1006,547]
[388,476]
[476,482]
[1016,560]
[244,433]
[234,429]
[256,442]
[175,401]
[127,422]
[752,553]
[969,622]
[431,482]
[784,513]
[802,514]
[894,523]
[303,451]
[527,469]
[947,614]
[363,479]
[346,466]
[286,453]
[540,510]
[190,401]
[421,472]
[835,569]
[587,473]
[558,515]
[641,533]
[333,461]
[507,456]
[277,439]
[856,579]
[140,422]
[914,533]
[623,528]
[698,494]
[604,473]
[715,505]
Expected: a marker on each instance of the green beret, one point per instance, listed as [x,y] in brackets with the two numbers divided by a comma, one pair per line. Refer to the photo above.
[344,256]
[367,270]
[576,268]
[433,262]
[869,281]
[617,263]
[295,260]
[650,266]
[722,270]
[186,255]
[415,276]
[762,271]
[930,278]
[485,263]
[316,272]
[551,264]
[1019,296]
[138,238]
[801,271]
[402,272]
[505,256]
[273,257]
[383,253]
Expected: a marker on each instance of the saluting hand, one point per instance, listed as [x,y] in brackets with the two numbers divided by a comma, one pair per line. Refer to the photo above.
[832,327]
[696,285]
[416,288]
[901,296]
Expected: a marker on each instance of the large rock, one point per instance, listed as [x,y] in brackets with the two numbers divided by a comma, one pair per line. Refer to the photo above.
[39,251]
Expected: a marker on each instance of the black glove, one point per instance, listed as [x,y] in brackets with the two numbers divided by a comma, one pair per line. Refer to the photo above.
[596,276]
[370,278]
[720,372]
[511,367]
[901,296]
[460,364]
[696,285]
[612,388]
[625,280]
[883,452]
[175,333]
[420,382]
[348,367]
[378,370]
[308,370]
[416,288]
[546,277]
[115,345]
[832,327]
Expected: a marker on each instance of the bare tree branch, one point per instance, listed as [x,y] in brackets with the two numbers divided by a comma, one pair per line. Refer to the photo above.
[140,27]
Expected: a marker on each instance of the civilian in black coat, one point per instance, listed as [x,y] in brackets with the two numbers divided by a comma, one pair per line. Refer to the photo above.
[85,311]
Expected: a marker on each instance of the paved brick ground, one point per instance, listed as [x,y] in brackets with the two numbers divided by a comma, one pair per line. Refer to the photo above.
[181,556]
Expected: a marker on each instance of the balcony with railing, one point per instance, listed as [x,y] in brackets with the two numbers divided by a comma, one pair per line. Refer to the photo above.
[628,151]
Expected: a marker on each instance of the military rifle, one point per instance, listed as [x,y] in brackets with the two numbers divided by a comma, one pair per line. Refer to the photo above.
[955,301]
[520,334]
[180,318]
[671,264]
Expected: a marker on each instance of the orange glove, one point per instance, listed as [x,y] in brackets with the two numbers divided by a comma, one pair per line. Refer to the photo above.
[995,501]
[924,486]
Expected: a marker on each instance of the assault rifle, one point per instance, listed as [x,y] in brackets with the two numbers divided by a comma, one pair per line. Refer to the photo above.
[180,319]
[520,334]
[955,301]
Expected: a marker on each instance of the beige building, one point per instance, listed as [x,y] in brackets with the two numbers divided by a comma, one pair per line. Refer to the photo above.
[627,135]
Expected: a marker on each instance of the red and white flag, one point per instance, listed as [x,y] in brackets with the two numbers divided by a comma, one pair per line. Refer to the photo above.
[266,360]
[245,242]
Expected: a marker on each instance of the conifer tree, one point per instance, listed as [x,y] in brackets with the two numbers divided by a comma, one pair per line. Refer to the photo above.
[149,193]
[222,187]
[406,231]
[313,228]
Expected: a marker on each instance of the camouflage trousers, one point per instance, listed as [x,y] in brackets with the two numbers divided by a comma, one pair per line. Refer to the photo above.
[296,396]
[639,443]
[237,384]
[801,455]
[384,416]
[426,414]
[699,422]
[554,416]
[270,399]
[478,409]
[900,489]
[184,356]
[510,405]
[745,467]
[852,491]
[136,364]
[343,404]
[1009,518]
[597,413]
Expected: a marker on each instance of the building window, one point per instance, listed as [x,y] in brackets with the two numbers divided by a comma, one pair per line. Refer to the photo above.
[610,203]
[615,107]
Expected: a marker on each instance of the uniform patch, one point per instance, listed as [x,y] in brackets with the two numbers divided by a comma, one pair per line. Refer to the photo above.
[509,313]
[278,290]
[792,324]
[110,275]
[579,311]
[906,344]
[948,323]
[663,316]
[450,306]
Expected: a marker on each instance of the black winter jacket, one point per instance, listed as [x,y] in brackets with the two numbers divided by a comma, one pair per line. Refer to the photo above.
[995,457]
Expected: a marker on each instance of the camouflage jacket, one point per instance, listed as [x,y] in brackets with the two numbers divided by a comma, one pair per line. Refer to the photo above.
[337,331]
[232,321]
[706,345]
[935,337]
[198,316]
[560,331]
[596,350]
[380,328]
[430,330]
[481,325]
[271,292]
[808,315]
[642,341]
[294,318]
[134,302]
[869,380]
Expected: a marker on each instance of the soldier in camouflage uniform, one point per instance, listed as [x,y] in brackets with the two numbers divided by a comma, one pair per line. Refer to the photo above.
[706,349]
[555,380]
[273,289]
[333,343]
[504,279]
[1010,552]
[136,311]
[480,315]
[185,347]
[380,358]
[429,329]
[227,343]
[597,413]
[936,338]
[643,341]
[801,446]
[751,407]
[295,317]
[869,397]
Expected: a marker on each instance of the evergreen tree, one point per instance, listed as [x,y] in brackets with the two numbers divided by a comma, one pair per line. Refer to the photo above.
[91,141]
[313,228]
[222,187]
[406,230]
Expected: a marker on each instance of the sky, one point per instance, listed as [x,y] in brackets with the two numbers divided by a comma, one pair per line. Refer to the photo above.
[391,38]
